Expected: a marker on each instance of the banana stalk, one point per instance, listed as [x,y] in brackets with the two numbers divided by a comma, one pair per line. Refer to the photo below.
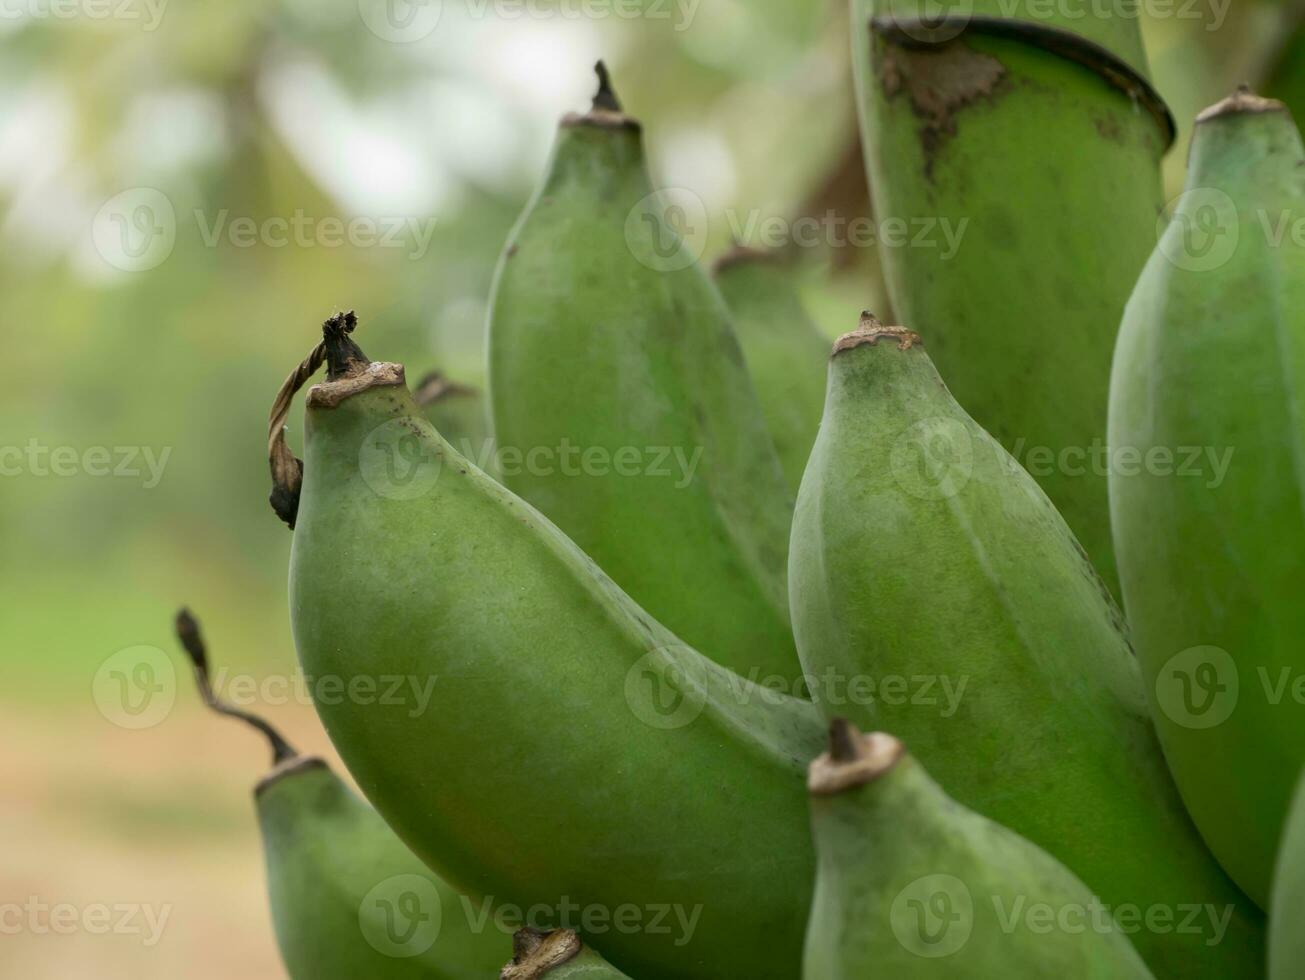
[784,350]
[1017,157]
[348,899]
[608,341]
[938,595]
[574,749]
[1208,403]
[911,884]
[557,954]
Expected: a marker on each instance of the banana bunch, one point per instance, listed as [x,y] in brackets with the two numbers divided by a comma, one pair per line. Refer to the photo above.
[625,678]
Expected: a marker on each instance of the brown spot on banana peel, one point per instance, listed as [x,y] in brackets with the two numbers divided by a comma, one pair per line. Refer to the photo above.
[871,331]
[853,759]
[537,951]
[939,81]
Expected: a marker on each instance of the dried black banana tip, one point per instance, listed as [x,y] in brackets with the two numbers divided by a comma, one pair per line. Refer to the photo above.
[605,99]
[343,356]
[192,640]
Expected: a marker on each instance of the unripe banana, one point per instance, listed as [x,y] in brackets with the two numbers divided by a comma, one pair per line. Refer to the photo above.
[784,350]
[1019,151]
[1211,367]
[911,884]
[557,954]
[939,595]
[1286,939]
[574,749]
[348,899]
[608,343]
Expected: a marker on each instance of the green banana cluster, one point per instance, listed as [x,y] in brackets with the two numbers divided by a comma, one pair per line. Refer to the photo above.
[1210,367]
[608,342]
[783,348]
[1030,130]
[942,597]
[911,884]
[348,899]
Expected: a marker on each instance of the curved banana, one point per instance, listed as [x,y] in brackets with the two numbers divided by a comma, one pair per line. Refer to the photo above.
[1207,425]
[557,954]
[348,899]
[1013,150]
[623,408]
[937,594]
[784,350]
[911,884]
[570,745]
[1286,940]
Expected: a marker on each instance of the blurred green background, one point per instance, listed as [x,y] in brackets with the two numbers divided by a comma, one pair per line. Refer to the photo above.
[150,311]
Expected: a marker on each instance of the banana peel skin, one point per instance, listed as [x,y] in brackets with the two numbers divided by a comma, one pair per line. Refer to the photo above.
[348,899]
[941,598]
[601,340]
[976,130]
[1286,940]
[574,749]
[911,884]
[784,350]
[1211,361]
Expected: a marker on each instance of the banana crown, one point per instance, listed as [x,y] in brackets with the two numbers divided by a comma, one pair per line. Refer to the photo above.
[535,952]
[853,759]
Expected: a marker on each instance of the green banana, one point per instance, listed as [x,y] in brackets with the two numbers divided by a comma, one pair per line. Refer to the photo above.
[557,954]
[605,337]
[1211,366]
[911,884]
[1286,941]
[784,350]
[940,596]
[348,899]
[575,750]
[461,415]
[1014,150]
